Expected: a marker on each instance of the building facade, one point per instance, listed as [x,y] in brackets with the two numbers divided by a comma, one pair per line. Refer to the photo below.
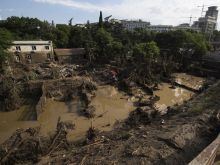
[32,51]
[134,24]
[208,23]
[186,26]
[72,56]
[160,28]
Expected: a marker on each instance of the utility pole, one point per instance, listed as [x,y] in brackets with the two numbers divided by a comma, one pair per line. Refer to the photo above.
[190,19]
[203,6]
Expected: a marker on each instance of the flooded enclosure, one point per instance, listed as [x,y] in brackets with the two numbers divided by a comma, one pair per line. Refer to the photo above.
[169,96]
[110,106]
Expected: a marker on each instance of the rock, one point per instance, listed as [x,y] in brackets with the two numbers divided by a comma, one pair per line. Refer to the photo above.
[182,136]
[142,116]
[146,151]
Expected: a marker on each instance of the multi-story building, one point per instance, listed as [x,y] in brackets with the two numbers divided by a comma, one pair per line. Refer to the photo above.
[134,24]
[160,28]
[208,23]
[32,51]
[186,26]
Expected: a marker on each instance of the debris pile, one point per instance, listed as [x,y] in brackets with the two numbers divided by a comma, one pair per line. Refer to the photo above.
[28,146]
[142,115]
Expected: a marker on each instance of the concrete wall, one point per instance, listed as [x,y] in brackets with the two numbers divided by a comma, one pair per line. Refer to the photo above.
[72,59]
[33,57]
[28,48]
[32,51]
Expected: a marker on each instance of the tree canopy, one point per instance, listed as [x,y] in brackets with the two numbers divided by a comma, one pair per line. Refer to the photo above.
[5,41]
[107,39]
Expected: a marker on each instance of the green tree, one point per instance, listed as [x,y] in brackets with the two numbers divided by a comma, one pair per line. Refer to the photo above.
[144,55]
[100,20]
[103,38]
[115,50]
[77,37]
[5,41]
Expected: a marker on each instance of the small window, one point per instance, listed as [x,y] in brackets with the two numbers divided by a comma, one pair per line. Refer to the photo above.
[17,58]
[29,56]
[29,59]
[48,56]
[18,48]
[47,47]
[34,48]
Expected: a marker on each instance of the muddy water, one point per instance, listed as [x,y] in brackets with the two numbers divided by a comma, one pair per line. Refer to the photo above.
[110,105]
[108,102]
[169,96]
[11,121]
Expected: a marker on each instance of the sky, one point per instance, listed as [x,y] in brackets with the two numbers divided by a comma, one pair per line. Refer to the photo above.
[165,12]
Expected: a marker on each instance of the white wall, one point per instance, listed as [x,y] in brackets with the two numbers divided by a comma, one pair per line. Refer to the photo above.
[28,48]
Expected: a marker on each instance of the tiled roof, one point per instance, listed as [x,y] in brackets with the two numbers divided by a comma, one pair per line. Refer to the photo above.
[31,42]
[68,52]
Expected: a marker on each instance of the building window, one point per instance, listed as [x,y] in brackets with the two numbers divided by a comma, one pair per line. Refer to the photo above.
[34,48]
[17,58]
[18,48]
[29,56]
[47,47]
[48,56]
[29,59]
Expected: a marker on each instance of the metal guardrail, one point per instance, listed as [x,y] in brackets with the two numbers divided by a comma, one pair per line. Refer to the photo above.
[208,155]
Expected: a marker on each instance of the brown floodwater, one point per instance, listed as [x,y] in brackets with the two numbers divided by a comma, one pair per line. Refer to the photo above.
[110,104]
[169,96]
[11,121]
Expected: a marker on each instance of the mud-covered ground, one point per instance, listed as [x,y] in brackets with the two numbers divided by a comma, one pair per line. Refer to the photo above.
[145,137]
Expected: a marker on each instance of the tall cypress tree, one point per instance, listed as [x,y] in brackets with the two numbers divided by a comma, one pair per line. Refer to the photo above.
[100,20]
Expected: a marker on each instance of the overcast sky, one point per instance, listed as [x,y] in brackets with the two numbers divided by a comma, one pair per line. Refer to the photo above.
[168,12]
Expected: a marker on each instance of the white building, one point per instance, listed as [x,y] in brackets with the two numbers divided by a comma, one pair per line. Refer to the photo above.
[160,28]
[134,24]
[32,51]
[186,26]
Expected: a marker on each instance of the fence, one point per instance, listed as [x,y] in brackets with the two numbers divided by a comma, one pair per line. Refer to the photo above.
[208,155]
